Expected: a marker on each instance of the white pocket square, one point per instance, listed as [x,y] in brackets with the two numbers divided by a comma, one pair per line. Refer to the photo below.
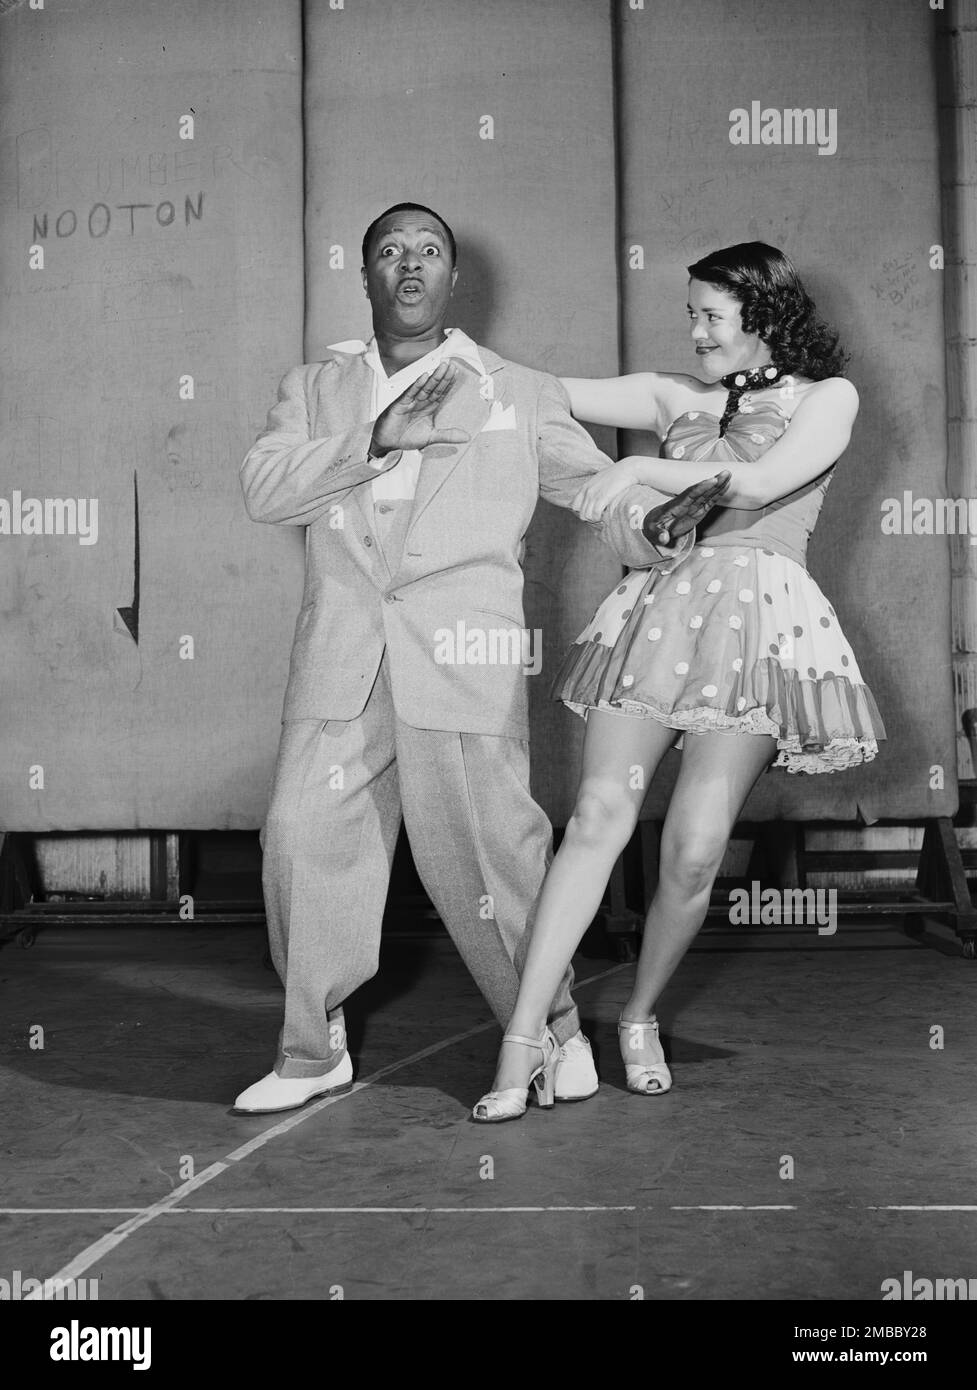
[500,417]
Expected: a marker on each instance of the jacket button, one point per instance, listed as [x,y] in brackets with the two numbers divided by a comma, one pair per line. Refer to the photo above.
[367,540]
[390,598]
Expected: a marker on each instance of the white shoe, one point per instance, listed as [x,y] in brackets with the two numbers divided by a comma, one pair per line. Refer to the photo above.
[510,1104]
[576,1075]
[274,1093]
[644,1078]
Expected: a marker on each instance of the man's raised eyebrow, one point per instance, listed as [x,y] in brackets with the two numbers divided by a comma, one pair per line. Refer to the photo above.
[437,231]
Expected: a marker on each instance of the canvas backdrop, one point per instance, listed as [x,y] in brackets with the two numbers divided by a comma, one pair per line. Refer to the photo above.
[609,129]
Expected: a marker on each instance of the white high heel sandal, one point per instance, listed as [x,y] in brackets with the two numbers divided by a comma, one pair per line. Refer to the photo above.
[510,1104]
[644,1078]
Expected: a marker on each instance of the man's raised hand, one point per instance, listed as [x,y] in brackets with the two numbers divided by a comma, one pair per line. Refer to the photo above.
[665,524]
[408,422]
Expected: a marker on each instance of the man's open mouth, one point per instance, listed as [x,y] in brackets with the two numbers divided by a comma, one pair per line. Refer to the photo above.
[410,289]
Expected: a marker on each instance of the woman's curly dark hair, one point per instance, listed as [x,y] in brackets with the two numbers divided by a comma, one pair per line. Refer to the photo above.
[775,305]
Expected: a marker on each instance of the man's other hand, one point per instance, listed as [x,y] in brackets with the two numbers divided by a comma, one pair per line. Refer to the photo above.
[665,524]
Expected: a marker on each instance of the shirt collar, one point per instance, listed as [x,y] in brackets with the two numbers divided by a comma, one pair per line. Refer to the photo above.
[456,344]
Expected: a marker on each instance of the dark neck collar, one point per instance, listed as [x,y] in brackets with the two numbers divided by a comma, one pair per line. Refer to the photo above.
[753,378]
[738,383]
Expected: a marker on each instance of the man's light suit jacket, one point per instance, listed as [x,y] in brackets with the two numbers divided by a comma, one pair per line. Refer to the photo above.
[461,557]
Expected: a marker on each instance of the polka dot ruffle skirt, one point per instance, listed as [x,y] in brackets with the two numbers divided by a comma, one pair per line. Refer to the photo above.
[734,640]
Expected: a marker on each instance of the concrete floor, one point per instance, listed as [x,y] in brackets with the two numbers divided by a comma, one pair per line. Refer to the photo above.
[786,1045]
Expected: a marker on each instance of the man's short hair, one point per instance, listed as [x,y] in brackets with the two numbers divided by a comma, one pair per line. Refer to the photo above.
[408,207]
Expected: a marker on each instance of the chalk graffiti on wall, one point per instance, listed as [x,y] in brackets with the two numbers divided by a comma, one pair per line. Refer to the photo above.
[99,219]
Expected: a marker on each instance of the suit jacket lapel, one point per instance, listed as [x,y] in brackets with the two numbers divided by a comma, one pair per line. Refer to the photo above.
[465,409]
[343,395]
[344,391]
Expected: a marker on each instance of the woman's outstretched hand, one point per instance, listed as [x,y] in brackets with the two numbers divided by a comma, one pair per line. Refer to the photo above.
[665,524]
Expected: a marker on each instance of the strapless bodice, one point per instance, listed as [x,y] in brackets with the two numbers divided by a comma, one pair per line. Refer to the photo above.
[784,525]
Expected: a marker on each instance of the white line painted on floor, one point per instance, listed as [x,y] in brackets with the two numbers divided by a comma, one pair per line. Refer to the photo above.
[450,1211]
[925,1208]
[291,1211]
[423,1211]
[91,1254]
[382,1211]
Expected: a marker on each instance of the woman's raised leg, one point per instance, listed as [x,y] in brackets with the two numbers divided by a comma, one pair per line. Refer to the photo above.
[620,756]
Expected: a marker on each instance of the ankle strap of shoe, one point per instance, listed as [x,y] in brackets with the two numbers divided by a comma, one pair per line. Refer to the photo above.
[526,1042]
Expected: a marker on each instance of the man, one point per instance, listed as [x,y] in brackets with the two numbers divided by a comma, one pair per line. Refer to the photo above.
[415,463]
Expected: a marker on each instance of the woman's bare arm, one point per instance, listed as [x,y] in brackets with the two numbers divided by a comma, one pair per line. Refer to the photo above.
[641,401]
[818,435]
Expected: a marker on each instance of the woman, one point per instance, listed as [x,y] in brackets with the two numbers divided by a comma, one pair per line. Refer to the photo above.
[733,644]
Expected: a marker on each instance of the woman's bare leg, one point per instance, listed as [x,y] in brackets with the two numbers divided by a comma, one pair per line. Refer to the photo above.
[620,755]
[718,771]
